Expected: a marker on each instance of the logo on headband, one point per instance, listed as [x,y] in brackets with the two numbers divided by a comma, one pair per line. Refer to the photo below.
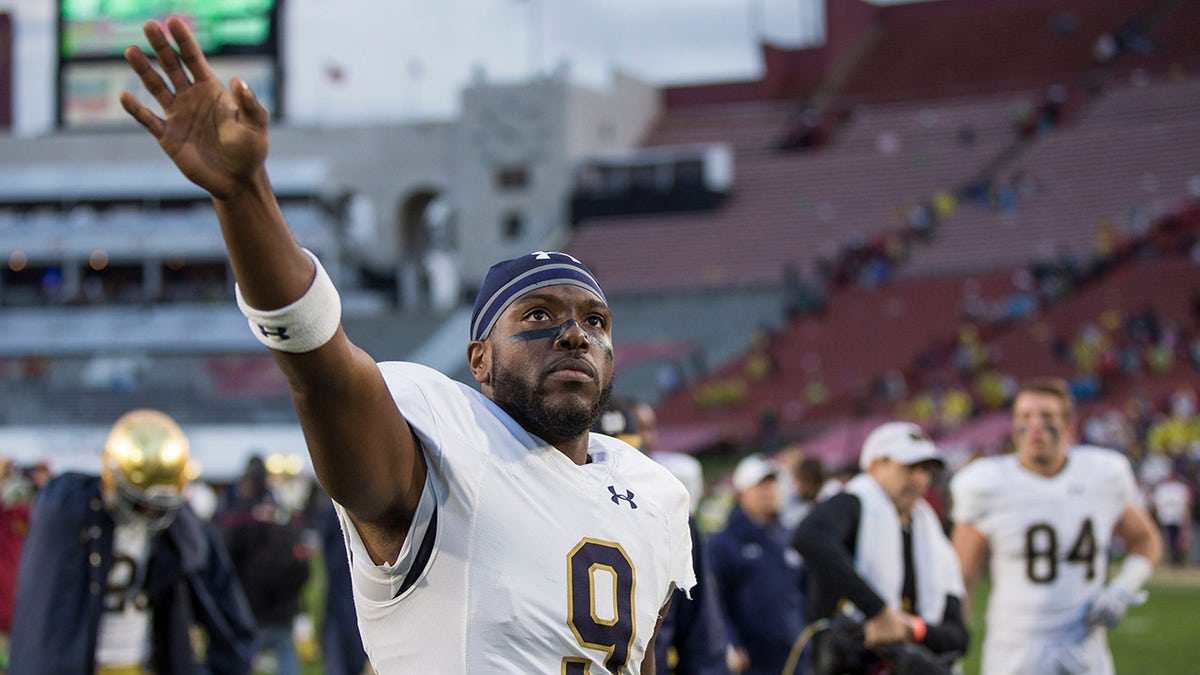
[509,279]
[545,255]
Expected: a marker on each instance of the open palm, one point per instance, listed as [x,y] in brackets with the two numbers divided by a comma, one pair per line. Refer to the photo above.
[216,137]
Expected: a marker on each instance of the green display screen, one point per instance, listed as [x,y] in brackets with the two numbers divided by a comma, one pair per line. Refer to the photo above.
[104,28]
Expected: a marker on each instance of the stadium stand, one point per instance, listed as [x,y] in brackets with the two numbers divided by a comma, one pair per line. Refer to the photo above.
[978,177]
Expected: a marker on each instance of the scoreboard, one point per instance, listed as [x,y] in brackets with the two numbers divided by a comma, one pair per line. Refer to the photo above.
[239,37]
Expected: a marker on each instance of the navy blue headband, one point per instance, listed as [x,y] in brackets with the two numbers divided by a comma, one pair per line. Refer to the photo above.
[508,280]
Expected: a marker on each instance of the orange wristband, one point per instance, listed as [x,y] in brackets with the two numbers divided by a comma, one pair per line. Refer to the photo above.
[918,629]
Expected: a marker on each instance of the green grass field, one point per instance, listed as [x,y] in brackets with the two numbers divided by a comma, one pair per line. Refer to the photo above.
[1157,638]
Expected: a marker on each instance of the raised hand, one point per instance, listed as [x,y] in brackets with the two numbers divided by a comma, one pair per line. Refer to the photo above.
[217,137]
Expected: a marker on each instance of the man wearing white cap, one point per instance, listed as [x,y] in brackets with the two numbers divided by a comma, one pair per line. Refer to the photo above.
[880,547]
[758,575]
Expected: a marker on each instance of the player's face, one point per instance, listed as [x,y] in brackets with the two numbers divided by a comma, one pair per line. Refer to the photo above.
[1041,431]
[552,361]
[903,483]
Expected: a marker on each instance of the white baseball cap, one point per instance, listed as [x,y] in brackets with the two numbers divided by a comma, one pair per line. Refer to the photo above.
[752,470]
[902,442]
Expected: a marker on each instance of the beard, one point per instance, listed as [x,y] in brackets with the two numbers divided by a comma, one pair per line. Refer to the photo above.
[530,406]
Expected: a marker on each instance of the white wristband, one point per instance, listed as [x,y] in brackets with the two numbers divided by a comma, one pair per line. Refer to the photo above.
[302,326]
[1136,570]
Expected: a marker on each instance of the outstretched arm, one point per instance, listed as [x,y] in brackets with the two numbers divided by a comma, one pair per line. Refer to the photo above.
[363,451]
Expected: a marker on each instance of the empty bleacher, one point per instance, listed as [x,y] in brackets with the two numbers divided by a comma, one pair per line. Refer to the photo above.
[928,50]
[1125,161]
[789,209]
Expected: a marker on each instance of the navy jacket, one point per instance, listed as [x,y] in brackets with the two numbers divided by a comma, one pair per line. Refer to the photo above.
[760,583]
[63,575]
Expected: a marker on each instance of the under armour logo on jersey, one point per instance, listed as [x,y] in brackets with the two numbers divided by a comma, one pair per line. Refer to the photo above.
[616,498]
[545,255]
[277,333]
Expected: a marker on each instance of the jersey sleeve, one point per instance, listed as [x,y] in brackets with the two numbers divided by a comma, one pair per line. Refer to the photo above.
[382,583]
[423,397]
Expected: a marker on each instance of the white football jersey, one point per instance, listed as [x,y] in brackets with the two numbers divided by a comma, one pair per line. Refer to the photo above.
[533,564]
[124,632]
[1049,537]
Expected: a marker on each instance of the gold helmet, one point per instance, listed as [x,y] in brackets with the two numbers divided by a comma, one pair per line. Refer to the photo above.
[145,468]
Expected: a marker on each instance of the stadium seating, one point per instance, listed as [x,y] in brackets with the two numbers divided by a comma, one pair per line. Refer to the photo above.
[1126,161]
[930,50]
[919,116]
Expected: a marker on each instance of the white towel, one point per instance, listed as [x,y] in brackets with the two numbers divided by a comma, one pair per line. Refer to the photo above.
[879,556]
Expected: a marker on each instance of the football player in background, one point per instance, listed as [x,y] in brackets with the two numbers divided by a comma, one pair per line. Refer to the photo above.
[489,530]
[1046,516]
[117,569]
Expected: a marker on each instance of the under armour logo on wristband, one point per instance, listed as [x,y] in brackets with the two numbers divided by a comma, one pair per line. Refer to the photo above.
[616,498]
[274,333]
[302,326]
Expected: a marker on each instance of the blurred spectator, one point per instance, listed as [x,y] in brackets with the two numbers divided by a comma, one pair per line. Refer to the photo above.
[16,496]
[802,297]
[1133,38]
[957,408]
[264,538]
[763,361]
[341,643]
[1171,503]
[806,128]
[40,474]
[668,378]
[1105,49]
[811,480]
[994,390]
[758,574]
[1108,429]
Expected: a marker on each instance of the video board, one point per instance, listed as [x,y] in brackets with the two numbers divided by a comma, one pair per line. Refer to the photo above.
[239,37]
